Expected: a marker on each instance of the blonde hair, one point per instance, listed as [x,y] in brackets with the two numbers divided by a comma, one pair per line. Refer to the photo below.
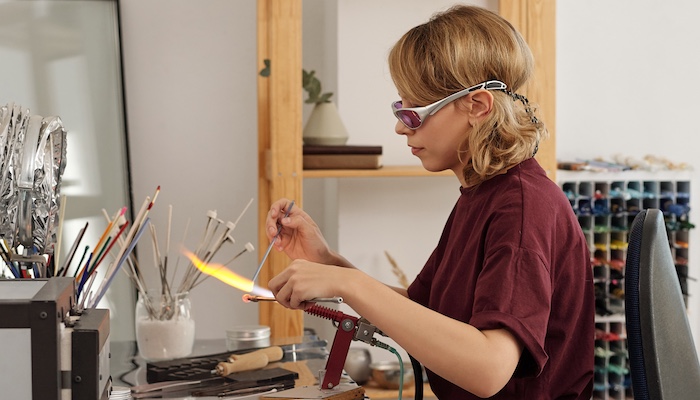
[459,48]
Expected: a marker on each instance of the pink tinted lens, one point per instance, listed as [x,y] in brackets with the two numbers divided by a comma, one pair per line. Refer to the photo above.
[409,118]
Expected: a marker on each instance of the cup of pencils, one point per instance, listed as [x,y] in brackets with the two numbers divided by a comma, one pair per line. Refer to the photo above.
[164,325]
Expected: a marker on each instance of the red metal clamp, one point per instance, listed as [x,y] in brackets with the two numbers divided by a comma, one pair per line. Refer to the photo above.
[347,325]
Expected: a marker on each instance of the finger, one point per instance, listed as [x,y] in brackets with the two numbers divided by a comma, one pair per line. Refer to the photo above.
[271,232]
[295,220]
[280,203]
[297,305]
[270,225]
[277,282]
[281,298]
[288,227]
[276,209]
[272,222]
[281,289]
[299,301]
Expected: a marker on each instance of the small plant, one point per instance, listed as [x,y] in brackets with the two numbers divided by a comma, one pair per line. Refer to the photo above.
[313,87]
[309,82]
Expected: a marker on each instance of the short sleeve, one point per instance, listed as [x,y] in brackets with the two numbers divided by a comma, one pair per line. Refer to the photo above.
[514,292]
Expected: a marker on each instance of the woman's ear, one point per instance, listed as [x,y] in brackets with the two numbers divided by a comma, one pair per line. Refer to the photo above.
[482,103]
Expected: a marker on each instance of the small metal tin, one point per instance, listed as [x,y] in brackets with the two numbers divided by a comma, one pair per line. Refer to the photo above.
[248,337]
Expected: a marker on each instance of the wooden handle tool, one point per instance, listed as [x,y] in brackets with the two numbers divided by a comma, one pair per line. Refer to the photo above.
[273,353]
[244,363]
[249,361]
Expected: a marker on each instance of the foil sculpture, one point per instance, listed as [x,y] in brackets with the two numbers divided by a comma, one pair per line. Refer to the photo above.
[32,161]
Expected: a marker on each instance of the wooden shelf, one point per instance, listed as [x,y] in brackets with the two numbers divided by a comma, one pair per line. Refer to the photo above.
[389,171]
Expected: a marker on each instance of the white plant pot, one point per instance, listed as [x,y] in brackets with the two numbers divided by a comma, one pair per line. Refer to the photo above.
[324,127]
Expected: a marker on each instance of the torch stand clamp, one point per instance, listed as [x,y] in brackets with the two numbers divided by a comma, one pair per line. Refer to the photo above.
[349,328]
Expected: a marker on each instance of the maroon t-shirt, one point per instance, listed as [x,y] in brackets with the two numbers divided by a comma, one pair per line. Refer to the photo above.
[512,255]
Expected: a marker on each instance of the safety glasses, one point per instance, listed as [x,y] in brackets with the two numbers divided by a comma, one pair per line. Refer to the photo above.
[414,117]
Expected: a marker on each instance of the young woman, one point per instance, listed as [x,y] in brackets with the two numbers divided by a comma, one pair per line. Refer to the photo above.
[504,306]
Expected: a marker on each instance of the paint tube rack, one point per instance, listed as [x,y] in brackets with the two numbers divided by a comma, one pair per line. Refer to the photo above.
[605,204]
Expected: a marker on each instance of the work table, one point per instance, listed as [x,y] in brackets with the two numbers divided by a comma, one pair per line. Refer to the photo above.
[129,369]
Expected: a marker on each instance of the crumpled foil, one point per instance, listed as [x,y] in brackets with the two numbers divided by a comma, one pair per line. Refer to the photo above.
[32,161]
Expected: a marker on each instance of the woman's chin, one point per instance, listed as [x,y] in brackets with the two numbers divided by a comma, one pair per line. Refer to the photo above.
[432,168]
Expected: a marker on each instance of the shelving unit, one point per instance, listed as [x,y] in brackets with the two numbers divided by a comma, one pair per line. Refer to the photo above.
[606,204]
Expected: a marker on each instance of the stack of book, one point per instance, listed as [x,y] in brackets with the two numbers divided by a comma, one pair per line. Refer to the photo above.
[342,157]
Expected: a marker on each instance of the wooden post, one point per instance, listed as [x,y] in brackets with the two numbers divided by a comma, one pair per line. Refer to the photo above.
[536,21]
[279,139]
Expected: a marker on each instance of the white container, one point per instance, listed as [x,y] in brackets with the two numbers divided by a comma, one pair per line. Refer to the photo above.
[324,127]
[164,327]
[248,337]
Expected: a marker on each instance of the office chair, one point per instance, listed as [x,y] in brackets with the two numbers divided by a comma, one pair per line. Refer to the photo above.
[663,359]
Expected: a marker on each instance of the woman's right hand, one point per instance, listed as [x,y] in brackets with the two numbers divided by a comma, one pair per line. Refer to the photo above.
[300,236]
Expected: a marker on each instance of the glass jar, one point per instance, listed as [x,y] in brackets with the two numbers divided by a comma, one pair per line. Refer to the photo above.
[164,326]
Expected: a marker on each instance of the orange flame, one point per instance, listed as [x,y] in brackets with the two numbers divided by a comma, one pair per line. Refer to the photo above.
[225,275]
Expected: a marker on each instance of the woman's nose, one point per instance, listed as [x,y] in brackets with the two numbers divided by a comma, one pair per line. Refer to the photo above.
[402,129]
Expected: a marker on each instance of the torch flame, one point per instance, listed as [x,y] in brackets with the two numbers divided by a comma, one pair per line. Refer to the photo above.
[225,275]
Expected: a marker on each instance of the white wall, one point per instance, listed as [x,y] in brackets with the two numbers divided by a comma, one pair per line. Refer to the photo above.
[624,85]
[190,75]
